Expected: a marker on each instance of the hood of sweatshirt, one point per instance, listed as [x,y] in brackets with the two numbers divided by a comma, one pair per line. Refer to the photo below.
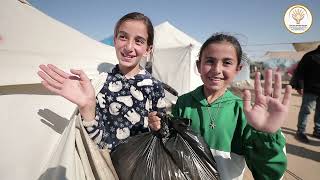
[198,94]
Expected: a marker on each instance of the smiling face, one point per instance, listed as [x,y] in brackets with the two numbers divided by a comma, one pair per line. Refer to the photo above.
[131,45]
[218,67]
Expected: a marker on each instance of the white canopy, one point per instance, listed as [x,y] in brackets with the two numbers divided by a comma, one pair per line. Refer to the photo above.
[29,38]
[168,36]
[37,139]
[174,58]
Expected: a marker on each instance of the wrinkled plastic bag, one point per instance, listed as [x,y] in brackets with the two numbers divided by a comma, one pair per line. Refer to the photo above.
[172,153]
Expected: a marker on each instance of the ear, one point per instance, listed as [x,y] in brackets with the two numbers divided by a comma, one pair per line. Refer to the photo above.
[148,51]
[114,40]
[198,63]
[239,67]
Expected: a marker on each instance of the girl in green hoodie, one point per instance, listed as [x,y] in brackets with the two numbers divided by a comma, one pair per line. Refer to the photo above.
[236,131]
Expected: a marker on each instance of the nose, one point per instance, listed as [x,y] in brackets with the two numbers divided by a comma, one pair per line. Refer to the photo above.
[129,46]
[216,68]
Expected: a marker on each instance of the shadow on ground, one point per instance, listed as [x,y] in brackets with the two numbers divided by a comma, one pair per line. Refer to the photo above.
[299,150]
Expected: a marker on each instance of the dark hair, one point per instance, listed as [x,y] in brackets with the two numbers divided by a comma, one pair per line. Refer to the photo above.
[220,37]
[140,17]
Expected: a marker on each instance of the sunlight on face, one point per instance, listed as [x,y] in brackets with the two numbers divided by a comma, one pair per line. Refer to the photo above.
[131,44]
[218,67]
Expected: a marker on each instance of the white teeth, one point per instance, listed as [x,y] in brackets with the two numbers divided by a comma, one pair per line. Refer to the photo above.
[127,56]
[214,79]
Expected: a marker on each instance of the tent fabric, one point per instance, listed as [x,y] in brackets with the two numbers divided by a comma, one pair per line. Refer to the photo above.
[35,126]
[38,134]
[43,139]
[306,46]
[96,162]
[168,36]
[77,154]
[174,59]
[175,67]
[29,38]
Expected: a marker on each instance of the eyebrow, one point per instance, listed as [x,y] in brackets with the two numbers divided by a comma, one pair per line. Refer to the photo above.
[209,58]
[137,37]
[213,58]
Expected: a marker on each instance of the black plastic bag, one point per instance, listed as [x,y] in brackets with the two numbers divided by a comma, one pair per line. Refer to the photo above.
[174,152]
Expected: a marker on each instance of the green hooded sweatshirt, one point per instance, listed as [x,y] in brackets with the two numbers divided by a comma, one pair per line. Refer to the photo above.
[232,141]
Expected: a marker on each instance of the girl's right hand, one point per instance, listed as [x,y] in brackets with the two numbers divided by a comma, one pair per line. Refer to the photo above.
[75,87]
[268,112]
[154,121]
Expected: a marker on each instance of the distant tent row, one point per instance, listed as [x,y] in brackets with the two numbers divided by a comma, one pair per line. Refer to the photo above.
[306,46]
[290,55]
[281,59]
[285,59]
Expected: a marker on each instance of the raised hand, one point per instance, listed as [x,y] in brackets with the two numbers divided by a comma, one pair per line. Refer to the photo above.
[268,112]
[75,87]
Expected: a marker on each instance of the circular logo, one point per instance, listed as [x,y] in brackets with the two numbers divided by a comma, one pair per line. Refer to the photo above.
[298,19]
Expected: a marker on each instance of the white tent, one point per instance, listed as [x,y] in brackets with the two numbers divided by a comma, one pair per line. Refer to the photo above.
[174,59]
[35,38]
[36,136]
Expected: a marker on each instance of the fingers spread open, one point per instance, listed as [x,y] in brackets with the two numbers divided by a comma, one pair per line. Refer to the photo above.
[58,71]
[277,85]
[51,82]
[257,85]
[50,88]
[53,75]
[81,74]
[268,83]
[287,95]
[247,100]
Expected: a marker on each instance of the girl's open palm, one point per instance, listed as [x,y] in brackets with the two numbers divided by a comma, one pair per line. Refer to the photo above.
[75,87]
[268,112]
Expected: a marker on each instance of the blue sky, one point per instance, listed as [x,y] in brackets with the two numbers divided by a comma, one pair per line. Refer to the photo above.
[254,22]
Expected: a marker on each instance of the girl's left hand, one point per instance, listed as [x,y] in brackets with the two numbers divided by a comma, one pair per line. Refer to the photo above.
[268,112]
[154,121]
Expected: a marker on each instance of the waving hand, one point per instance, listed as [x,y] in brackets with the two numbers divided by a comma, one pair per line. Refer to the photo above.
[75,87]
[268,112]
